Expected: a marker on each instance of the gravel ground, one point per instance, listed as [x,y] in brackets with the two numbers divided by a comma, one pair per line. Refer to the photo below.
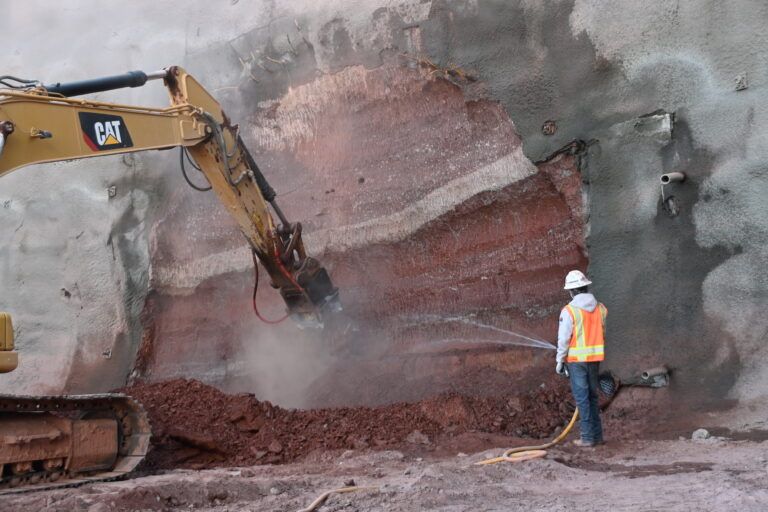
[683,475]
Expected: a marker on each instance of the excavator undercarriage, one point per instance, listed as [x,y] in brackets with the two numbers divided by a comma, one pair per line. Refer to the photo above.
[55,441]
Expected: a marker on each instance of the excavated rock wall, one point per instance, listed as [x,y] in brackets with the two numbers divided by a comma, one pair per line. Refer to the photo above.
[403,137]
[430,220]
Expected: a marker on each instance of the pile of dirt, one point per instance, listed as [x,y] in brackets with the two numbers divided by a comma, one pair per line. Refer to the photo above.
[197,426]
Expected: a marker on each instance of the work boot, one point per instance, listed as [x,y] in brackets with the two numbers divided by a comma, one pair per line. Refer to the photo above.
[583,444]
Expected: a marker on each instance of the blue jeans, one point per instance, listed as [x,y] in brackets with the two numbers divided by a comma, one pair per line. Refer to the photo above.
[584,387]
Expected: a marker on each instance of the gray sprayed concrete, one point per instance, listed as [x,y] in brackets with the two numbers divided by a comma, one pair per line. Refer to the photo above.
[688,290]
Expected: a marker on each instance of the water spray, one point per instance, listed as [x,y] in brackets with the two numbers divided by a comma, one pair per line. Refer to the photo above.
[532,342]
[522,340]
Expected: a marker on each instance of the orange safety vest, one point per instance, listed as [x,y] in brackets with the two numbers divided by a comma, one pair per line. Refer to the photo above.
[588,338]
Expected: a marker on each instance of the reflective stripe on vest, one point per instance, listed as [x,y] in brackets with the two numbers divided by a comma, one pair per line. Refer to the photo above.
[587,343]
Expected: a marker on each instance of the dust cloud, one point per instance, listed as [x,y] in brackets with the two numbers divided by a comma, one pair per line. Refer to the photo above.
[280,363]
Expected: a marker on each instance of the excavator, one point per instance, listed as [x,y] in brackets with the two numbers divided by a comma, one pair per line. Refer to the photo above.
[53,441]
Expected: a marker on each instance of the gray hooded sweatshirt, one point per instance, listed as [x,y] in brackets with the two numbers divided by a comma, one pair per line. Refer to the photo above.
[585,301]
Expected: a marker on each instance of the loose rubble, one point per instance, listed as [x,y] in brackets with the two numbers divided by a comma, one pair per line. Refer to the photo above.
[197,426]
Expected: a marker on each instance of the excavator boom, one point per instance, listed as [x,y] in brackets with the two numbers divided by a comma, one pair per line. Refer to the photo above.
[46,124]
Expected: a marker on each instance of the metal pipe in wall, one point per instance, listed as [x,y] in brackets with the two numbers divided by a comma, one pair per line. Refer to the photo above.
[654,372]
[672,177]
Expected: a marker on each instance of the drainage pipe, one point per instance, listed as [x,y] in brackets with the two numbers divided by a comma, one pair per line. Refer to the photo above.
[654,372]
[672,177]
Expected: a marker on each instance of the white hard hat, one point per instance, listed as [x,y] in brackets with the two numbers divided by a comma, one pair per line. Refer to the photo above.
[576,279]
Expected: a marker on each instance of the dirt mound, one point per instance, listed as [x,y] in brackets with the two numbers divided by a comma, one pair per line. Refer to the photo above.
[195,425]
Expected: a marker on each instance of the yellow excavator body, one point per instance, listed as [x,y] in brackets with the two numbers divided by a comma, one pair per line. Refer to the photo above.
[50,441]
[9,359]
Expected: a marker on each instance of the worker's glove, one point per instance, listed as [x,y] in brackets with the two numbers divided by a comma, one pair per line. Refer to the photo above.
[560,368]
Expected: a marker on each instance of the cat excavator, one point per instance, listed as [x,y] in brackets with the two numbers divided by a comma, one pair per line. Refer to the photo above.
[52,441]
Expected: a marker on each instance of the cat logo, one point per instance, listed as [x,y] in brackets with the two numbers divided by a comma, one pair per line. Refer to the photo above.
[103,132]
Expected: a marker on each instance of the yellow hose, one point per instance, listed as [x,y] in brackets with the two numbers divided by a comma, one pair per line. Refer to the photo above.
[321,499]
[519,454]
[523,453]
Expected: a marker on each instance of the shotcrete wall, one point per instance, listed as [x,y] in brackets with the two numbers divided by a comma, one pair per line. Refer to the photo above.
[413,142]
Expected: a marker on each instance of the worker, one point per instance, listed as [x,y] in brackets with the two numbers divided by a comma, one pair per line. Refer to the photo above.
[580,348]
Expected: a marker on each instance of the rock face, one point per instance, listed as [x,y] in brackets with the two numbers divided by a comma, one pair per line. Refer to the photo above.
[433,224]
[422,157]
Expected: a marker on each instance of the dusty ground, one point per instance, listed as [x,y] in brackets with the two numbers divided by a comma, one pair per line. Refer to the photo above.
[680,475]
[217,452]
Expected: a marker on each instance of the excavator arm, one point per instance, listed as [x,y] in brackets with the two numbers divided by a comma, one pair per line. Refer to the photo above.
[45,123]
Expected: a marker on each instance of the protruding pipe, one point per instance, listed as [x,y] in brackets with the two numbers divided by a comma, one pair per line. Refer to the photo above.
[671,177]
[654,372]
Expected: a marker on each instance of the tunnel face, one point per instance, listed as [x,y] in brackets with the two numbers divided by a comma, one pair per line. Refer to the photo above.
[421,156]
[436,229]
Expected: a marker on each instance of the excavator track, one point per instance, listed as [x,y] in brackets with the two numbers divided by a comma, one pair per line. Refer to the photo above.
[50,442]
